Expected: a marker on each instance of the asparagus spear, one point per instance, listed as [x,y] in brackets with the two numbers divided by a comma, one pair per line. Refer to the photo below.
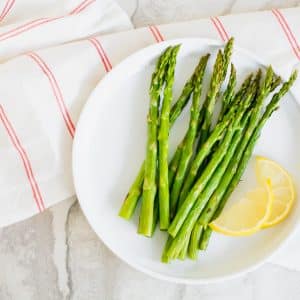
[265,90]
[227,56]
[163,144]
[164,257]
[207,173]
[149,186]
[205,238]
[193,249]
[173,165]
[204,151]
[276,82]
[241,165]
[194,241]
[228,99]
[232,139]
[155,215]
[187,205]
[135,191]
[209,103]
[229,92]
[199,224]
[181,232]
[198,160]
[218,76]
[236,167]
[182,254]
[179,241]
[187,149]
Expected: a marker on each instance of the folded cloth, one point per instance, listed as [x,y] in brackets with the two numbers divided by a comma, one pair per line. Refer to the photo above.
[29,24]
[43,91]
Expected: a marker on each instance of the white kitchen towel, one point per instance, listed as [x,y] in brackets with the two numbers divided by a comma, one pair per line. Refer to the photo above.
[43,94]
[30,24]
[42,91]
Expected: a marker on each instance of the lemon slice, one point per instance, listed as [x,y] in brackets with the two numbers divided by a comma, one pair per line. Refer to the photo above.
[247,215]
[282,188]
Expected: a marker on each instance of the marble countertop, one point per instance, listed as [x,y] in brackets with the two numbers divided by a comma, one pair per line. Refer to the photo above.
[56,255]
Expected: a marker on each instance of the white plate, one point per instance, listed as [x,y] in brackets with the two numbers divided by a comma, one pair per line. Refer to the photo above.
[109,147]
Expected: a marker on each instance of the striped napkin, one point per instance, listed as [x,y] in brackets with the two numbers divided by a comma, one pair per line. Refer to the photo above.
[42,93]
[43,88]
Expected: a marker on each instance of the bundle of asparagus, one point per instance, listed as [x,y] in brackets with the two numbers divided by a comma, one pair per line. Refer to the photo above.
[190,191]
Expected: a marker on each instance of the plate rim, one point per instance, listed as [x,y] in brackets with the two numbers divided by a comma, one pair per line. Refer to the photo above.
[75,147]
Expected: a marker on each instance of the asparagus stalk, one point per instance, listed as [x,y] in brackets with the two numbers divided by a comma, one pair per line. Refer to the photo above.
[218,76]
[206,148]
[198,228]
[205,238]
[173,165]
[232,139]
[241,93]
[240,166]
[182,254]
[200,184]
[163,144]
[164,257]
[155,215]
[179,241]
[228,100]
[268,85]
[149,186]
[227,56]
[179,238]
[194,241]
[276,82]
[236,167]
[187,205]
[229,92]
[187,149]
[209,103]
[135,191]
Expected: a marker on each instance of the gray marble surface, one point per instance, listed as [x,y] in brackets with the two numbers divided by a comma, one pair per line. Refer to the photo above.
[56,255]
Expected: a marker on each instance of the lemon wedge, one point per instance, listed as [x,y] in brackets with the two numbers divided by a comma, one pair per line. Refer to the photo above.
[248,214]
[282,188]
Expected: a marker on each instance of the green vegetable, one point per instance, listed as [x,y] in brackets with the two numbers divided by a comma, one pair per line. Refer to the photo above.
[219,166]
[197,230]
[229,92]
[217,78]
[209,103]
[236,168]
[214,137]
[135,191]
[194,241]
[191,134]
[239,167]
[205,238]
[163,146]
[149,185]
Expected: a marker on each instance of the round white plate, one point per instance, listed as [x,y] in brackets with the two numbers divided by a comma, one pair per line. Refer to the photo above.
[109,147]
